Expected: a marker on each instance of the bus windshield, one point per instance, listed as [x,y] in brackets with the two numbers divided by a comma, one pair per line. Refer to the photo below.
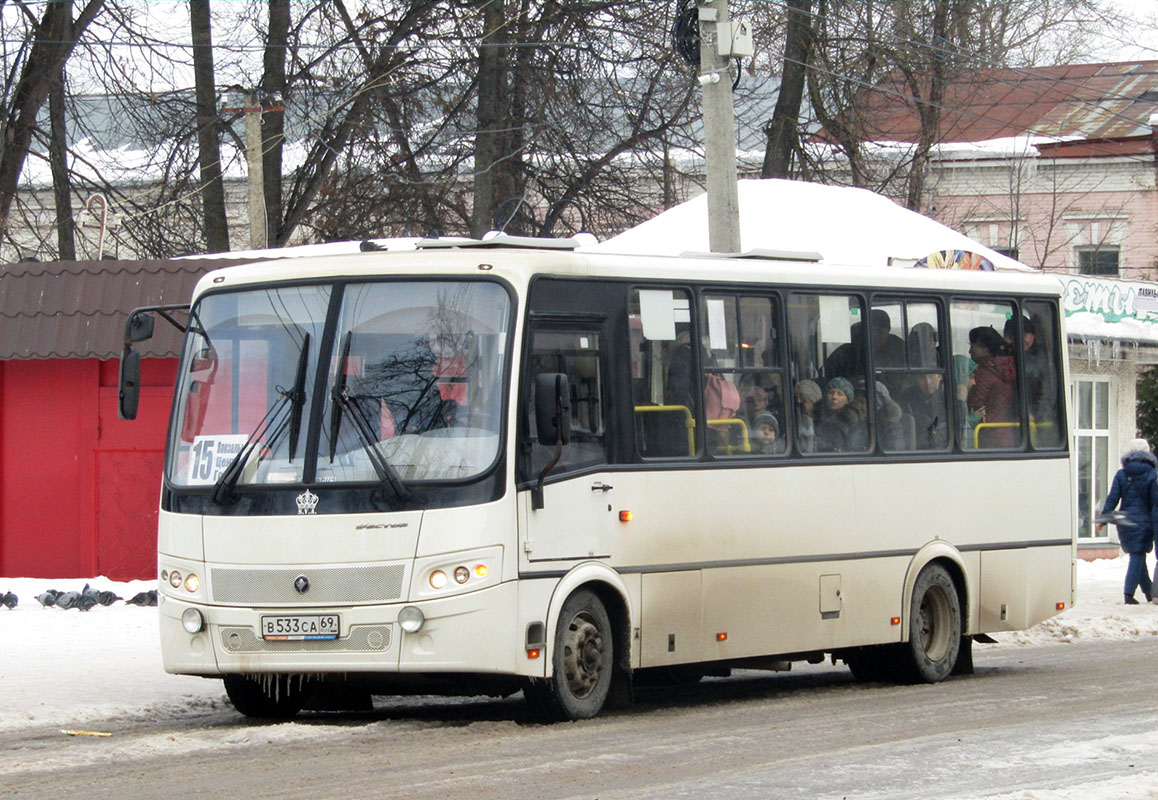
[411,389]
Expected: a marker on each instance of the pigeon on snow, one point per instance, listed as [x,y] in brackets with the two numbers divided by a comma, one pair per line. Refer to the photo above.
[148,598]
[48,598]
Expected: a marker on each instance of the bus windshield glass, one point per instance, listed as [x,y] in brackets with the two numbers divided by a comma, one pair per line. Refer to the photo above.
[244,393]
[411,389]
[415,384]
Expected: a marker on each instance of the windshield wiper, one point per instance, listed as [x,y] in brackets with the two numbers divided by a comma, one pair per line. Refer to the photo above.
[298,399]
[342,401]
[271,427]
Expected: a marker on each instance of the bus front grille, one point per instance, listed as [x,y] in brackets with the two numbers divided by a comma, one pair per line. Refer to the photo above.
[362,639]
[326,585]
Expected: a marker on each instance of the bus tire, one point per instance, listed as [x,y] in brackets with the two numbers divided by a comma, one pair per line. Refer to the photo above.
[931,651]
[266,696]
[582,659]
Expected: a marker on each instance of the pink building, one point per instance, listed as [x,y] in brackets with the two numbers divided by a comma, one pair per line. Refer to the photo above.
[1058,167]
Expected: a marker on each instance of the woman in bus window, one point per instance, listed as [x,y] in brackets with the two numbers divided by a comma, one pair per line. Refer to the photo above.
[991,396]
[807,395]
[841,427]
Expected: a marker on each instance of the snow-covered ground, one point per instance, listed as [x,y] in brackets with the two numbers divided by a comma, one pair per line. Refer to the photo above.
[78,671]
[69,668]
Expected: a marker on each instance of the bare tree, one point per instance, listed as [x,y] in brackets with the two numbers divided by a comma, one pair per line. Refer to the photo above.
[208,136]
[783,130]
[51,40]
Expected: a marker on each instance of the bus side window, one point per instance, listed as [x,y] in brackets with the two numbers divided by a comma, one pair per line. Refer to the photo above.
[743,375]
[985,376]
[827,329]
[915,413]
[665,387]
[1039,334]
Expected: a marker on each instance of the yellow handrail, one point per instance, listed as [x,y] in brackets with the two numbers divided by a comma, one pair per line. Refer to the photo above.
[745,445]
[1033,426]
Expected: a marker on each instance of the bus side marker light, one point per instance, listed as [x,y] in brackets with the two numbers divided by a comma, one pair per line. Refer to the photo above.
[534,652]
[895,620]
[481,570]
[626,516]
[1061,606]
[722,636]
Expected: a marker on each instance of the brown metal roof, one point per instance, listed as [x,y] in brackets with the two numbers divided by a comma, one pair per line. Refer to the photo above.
[1090,101]
[77,309]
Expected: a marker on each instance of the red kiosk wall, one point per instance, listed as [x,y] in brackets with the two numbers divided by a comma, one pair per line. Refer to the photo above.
[78,486]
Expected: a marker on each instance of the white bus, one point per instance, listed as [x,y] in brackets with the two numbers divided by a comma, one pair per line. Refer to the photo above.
[498,466]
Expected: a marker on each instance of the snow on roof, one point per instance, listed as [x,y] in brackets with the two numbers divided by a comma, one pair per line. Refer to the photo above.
[845,225]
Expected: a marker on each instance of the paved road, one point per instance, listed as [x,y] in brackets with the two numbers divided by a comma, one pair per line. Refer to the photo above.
[1031,719]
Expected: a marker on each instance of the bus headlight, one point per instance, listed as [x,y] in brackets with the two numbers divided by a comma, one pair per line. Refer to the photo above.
[437,579]
[410,619]
[192,620]
[174,579]
[461,574]
[192,582]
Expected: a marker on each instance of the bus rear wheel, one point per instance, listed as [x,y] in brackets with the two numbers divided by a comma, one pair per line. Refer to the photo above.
[266,696]
[934,640]
[582,659]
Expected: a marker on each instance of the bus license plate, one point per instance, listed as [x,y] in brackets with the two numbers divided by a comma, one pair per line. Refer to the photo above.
[298,628]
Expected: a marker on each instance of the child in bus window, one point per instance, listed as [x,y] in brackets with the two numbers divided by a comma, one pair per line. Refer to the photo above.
[765,434]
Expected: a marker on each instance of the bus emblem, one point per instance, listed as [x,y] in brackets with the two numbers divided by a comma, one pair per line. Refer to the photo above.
[302,584]
[307,502]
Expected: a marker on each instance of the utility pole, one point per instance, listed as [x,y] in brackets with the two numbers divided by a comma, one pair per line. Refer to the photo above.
[255,160]
[258,224]
[719,37]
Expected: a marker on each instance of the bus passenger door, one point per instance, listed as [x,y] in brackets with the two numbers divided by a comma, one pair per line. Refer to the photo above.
[576,515]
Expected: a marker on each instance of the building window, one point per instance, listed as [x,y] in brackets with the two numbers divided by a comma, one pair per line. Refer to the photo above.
[1101,260]
[1007,251]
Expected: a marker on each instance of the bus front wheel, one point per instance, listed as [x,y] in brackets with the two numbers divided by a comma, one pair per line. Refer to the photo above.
[930,653]
[582,659]
[266,696]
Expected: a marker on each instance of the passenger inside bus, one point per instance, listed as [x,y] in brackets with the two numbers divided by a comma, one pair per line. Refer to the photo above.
[848,360]
[807,395]
[1041,390]
[765,434]
[894,426]
[992,393]
[925,402]
[923,394]
[840,427]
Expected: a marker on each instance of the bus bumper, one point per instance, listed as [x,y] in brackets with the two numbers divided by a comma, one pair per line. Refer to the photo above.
[475,632]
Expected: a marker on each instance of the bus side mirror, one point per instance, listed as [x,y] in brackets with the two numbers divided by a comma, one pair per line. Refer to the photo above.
[139,328]
[552,408]
[129,393]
